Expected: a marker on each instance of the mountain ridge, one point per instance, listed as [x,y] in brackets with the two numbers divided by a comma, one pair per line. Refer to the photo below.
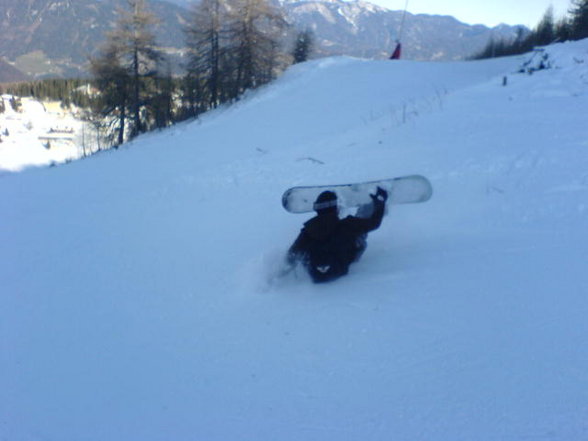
[55,38]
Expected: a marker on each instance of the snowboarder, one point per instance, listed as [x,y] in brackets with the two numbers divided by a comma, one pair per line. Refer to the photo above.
[327,245]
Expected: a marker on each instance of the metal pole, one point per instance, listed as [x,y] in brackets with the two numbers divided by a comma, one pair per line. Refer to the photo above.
[402,22]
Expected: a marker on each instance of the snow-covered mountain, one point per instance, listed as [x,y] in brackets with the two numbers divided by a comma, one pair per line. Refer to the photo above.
[362,29]
[56,37]
[135,302]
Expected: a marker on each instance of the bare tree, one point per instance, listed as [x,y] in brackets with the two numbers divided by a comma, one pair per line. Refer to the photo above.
[204,39]
[579,20]
[128,59]
[255,28]
[138,43]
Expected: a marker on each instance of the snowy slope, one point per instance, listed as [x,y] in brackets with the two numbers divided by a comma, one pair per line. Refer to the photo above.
[135,303]
[28,137]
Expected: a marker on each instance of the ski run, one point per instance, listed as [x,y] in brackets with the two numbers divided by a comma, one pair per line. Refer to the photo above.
[137,296]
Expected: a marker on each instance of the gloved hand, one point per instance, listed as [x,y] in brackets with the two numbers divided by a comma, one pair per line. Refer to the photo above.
[380,196]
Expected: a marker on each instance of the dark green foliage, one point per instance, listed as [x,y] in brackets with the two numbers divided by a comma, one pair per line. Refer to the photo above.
[574,27]
[579,20]
[193,97]
[68,91]
[501,48]
[114,83]
[303,46]
[545,32]
[563,30]
[161,107]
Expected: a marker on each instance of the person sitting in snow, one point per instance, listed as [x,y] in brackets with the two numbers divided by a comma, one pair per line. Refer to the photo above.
[327,245]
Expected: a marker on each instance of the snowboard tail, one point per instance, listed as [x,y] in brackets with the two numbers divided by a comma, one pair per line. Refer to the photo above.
[401,190]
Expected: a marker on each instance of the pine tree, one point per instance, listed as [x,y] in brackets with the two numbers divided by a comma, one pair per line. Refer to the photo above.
[563,30]
[303,46]
[579,21]
[161,107]
[545,32]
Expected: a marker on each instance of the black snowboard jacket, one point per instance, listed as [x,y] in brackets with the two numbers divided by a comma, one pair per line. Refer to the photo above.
[327,245]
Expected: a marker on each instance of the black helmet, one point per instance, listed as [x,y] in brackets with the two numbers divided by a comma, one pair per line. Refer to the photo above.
[326,202]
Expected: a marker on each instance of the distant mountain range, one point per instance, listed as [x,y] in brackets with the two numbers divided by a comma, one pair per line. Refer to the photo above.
[363,29]
[43,38]
[55,37]
[8,73]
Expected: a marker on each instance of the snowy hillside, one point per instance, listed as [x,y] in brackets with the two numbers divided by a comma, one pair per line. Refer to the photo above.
[135,298]
[38,134]
[363,29]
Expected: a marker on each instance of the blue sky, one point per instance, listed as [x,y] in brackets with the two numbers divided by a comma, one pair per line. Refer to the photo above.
[490,13]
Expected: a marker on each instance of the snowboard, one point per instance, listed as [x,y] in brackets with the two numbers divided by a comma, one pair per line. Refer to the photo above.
[401,190]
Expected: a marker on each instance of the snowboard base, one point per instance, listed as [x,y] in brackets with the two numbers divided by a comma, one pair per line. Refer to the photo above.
[401,190]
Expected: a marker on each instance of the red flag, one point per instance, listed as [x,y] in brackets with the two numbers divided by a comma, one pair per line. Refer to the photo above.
[397,51]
